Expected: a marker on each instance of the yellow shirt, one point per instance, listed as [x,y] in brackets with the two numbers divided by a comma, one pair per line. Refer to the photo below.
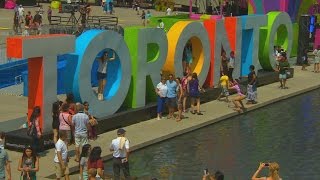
[224,80]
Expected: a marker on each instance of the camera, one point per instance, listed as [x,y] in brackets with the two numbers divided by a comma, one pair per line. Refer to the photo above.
[266,164]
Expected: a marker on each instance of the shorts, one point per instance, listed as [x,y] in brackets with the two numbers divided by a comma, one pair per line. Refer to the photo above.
[172,102]
[282,76]
[59,173]
[316,60]
[224,91]
[101,76]
[81,139]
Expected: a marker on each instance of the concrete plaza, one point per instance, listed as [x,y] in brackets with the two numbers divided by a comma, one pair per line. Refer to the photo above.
[159,130]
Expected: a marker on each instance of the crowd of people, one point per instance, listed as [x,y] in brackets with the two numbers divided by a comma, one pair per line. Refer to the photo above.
[174,93]
[72,123]
[32,24]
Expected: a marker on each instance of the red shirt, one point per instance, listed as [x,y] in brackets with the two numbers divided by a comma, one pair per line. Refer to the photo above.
[96,165]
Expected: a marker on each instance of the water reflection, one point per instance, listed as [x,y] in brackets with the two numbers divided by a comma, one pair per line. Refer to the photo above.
[287,132]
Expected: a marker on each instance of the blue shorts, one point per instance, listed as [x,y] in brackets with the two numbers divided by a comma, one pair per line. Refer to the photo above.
[101,76]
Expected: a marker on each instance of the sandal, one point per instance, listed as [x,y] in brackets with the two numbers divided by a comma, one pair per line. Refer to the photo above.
[192,112]
[199,113]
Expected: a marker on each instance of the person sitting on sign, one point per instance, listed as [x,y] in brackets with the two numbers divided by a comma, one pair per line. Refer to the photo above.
[161,24]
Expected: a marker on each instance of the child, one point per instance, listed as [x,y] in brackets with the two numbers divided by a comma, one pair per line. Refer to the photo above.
[224,84]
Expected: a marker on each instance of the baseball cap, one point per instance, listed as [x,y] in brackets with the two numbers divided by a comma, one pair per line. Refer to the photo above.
[121,131]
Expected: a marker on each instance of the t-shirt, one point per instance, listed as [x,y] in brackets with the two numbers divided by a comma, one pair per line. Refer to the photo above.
[115,145]
[169,11]
[163,89]
[102,66]
[172,89]
[84,164]
[250,78]
[37,18]
[283,65]
[148,15]
[21,11]
[49,12]
[224,80]
[3,160]
[237,88]
[61,147]
[161,25]
[231,62]
[184,83]
[194,87]
[64,121]
[80,121]
[96,164]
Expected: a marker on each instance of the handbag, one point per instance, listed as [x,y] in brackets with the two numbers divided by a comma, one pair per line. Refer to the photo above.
[288,73]
[93,122]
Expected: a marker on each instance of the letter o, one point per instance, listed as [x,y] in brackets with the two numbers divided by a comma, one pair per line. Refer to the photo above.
[277,20]
[88,45]
[178,36]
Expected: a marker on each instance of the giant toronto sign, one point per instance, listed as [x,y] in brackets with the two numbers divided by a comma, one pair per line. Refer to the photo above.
[142,54]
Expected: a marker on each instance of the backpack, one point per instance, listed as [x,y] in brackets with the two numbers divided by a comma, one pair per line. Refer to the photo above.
[32,130]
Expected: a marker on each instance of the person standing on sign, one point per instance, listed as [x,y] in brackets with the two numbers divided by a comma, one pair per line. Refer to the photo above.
[120,149]
[102,72]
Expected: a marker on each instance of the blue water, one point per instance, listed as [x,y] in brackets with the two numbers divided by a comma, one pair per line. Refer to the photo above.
[287,132]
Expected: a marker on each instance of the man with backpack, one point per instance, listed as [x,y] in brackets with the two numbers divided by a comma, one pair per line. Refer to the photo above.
[5,170]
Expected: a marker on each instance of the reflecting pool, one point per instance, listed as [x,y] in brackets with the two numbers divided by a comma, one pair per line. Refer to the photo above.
[287,132]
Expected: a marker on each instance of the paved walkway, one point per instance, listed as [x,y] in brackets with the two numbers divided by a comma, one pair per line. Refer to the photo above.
[155,131]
